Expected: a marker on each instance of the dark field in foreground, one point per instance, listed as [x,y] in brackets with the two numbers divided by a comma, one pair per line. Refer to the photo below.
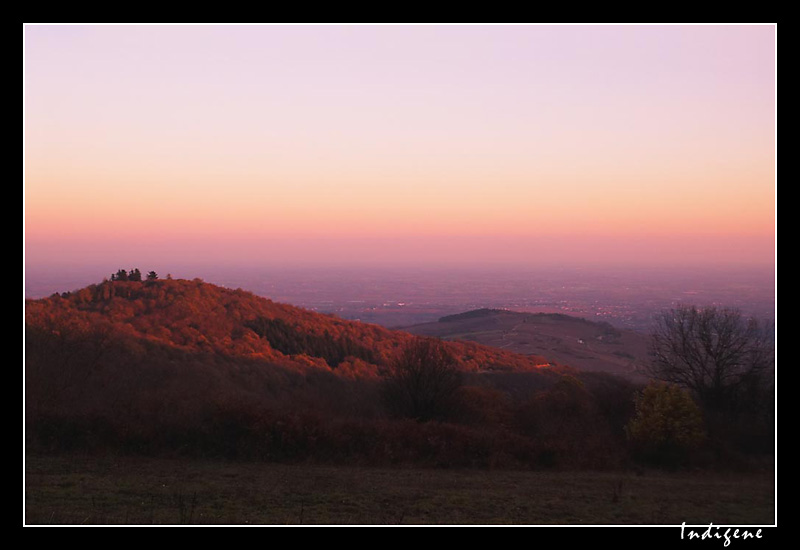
[114,490]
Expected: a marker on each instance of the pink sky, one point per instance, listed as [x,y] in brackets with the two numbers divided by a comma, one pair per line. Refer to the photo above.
[409,144]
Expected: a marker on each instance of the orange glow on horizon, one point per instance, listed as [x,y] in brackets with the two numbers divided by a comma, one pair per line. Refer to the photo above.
[205,140]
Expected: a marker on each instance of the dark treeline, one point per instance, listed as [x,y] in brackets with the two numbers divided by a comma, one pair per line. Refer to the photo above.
[292,340]
[133,275]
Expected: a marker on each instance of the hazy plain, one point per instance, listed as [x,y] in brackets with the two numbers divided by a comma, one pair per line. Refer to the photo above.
[626,297]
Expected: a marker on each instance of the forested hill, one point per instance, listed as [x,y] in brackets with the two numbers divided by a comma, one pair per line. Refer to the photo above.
[187,368]
[201,318]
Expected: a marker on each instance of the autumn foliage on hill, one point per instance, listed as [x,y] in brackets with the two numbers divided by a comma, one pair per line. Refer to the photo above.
[194,316]
[160,366]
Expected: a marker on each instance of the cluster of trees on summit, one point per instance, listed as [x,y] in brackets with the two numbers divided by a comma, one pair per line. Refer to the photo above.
[132,275]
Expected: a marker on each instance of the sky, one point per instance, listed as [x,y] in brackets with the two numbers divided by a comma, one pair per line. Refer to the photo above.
[316,145]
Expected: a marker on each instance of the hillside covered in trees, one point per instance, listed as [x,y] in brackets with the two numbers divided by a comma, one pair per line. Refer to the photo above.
[197,317]
[150,366]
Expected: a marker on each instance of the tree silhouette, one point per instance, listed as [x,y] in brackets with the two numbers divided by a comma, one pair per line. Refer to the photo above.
[716,354]
[424,383]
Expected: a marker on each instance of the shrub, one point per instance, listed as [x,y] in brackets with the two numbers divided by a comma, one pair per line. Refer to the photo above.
[565,425]
[667,427]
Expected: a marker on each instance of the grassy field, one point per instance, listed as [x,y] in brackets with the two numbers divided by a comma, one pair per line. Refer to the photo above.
[114,490]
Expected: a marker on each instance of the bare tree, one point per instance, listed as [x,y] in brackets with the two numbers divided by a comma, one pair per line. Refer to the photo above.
[723,358]
[425,381]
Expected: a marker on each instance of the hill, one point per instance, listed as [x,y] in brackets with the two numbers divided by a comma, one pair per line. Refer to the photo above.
[198,317]
[180,367]
[566,340]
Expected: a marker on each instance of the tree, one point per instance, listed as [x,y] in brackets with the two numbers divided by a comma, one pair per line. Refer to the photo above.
[425,382]
[724,359]
[135,275]
[668,424]
[152,276]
